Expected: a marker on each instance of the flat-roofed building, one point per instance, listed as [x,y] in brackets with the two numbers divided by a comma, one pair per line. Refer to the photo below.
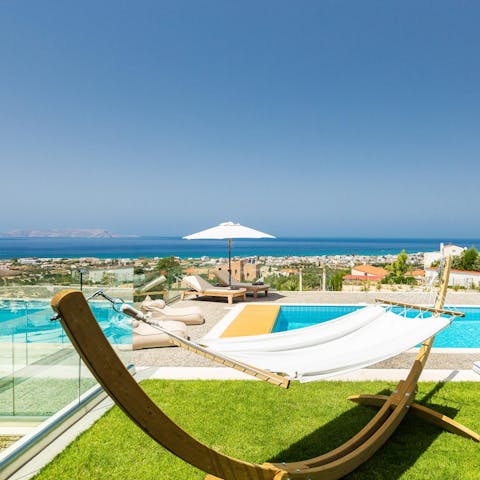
[457,278]
[243,269]
[448,250]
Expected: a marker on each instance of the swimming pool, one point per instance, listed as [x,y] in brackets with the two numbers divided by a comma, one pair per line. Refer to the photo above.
[462,333]
[29,322]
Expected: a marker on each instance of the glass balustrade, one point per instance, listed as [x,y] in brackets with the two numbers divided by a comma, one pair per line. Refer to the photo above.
[40,371]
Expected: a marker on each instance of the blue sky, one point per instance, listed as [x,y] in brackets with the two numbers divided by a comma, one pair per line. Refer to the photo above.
[328,118]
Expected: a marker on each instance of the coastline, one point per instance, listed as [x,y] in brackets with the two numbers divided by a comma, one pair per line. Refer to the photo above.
[334,261]
[157,247]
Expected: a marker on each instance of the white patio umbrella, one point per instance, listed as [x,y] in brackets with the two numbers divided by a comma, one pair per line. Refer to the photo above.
[228,230]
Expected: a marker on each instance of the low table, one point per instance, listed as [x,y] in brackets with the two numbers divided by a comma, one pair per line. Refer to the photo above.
[230,294]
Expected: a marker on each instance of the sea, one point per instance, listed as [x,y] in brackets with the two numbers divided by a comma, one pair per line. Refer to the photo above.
[149,247]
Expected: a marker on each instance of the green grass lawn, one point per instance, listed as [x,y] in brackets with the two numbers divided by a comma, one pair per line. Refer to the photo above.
[261,423]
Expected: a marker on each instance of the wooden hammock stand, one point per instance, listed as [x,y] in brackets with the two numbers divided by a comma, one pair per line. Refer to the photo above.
[85,334]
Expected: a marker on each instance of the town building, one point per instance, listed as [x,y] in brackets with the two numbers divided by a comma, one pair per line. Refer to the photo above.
[448,250]
[243,269]
[366,273]
[457,278]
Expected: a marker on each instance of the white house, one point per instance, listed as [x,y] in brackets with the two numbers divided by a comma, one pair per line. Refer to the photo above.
[445,251]
[460,278]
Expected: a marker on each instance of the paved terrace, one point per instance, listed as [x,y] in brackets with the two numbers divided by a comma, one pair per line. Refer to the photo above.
[215,310]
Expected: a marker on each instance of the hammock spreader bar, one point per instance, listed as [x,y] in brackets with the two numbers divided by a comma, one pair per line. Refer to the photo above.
[440,311]
[273,378]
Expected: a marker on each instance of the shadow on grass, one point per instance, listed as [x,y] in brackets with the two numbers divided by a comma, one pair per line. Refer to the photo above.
[411,439]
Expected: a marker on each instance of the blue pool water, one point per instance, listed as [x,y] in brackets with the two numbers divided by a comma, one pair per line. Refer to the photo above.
[462,333]
[29,322]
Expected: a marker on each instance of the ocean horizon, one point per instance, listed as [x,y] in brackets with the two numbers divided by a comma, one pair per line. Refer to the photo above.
[156,246]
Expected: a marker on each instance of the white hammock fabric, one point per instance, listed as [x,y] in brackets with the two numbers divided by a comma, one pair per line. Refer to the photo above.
[300,337]
[348,343]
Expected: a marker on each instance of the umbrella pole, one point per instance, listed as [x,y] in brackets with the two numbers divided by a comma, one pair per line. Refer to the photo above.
[230,263]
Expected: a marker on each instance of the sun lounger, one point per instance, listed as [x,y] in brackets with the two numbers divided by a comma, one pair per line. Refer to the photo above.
[222,275]
[200,287]
[159,311]
[147,336]
[476,367]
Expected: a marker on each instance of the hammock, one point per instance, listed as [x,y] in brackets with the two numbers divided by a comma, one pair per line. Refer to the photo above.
[350,342]
[354,341]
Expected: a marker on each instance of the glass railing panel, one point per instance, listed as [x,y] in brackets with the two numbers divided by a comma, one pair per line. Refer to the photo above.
[116,326]
[48,383]
[173,294]
[159,280]
[40,371]
[13,314]
[85,379]
[6,376]
[43,377]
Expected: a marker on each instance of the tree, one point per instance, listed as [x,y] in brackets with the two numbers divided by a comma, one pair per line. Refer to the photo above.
[281,282]
[311,280]
[468,260]
[335,281]
[397,270]
[170,267]
[166,263]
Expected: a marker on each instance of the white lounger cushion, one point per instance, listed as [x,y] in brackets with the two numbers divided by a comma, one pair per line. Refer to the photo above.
[147,336]
[158,310]
[149,305]
[201,285]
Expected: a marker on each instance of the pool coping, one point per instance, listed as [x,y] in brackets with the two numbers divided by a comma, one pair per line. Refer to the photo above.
[229,318]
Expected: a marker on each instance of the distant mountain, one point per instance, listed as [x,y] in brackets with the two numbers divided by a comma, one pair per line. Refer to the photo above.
[68,233]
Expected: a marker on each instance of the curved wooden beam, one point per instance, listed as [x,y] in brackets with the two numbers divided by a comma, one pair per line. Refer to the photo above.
[87,337]
[423,412]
